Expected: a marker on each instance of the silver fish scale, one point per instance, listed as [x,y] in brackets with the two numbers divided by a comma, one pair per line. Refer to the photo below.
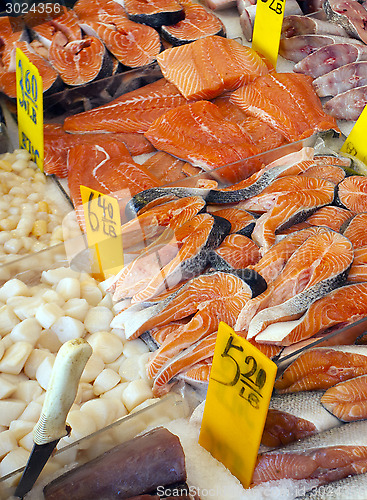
[305,405]
[351,434]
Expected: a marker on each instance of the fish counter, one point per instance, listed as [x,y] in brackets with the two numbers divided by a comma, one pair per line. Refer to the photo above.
[263,229]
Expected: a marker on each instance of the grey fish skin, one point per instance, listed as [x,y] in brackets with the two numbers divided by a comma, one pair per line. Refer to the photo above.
[349,14]
[347,105]
[301,25]
[349,488]
[330,57]
[307,406]
[340,80]
[298,47]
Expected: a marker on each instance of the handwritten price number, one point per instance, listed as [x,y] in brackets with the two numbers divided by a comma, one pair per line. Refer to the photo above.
[23,8]
[108,224]
[251,381]
[275,5]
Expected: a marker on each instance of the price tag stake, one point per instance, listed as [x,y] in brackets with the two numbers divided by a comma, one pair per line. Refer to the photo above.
[103,227]
[29,107]
[240,387]
[267,28]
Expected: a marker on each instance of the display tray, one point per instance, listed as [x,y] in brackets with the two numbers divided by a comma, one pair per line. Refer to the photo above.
[160,412]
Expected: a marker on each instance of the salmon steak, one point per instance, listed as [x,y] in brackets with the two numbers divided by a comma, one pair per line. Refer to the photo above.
[12,31]
[287,102]
[198,133]
[80,61]
[57,143]
[235,252]
[347,400]
[355,230]
[154,13]
[352,193]
[340,307]
[184,256]
[318,266]
[320,368]
[197,23]
[358,271]
[327,456]
[108,168]
[134,111]
[333,217]
[331,173]
[295,416]
[210,66]
[242,222]
[50,77]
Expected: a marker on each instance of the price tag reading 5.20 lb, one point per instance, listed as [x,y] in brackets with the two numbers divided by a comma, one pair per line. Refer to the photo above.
[237,401]
[267,28]
[103,226]
[29,107]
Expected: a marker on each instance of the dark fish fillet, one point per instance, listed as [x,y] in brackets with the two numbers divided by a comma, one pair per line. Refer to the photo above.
[330,57]
[347,105]
[341,79]
[298,47]
[301,25]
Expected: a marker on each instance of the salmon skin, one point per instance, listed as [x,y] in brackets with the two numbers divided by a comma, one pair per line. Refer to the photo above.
[324,457]
[295,416]
[347,400]
[155,13]
[197,23]
[134,111]
[322,367]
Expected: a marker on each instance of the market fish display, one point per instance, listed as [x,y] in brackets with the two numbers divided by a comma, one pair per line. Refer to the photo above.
[342,306]
[347,400]
[322,367]
[228,63]
[271,97]
[324,457]
[295,416]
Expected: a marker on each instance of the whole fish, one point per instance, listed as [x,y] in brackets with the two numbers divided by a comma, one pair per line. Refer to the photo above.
[295,416]
[324,457]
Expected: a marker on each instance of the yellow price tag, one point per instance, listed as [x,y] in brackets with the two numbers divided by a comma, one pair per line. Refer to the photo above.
[29,107]
[103,226]
[356,144]
[267,28]
[240,387]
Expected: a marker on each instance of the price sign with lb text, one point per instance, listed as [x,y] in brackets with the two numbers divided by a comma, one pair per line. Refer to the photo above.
[240,387]
[356,144]
[267,28]
[103,227]
[29,107]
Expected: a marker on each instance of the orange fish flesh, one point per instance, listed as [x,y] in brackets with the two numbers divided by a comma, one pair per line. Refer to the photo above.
[347,400]
[352,193]
[355,230]
[224,65]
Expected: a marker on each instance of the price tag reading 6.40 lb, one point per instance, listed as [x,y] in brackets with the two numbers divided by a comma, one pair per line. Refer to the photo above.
[103,226]
[29,107]
[237,401]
